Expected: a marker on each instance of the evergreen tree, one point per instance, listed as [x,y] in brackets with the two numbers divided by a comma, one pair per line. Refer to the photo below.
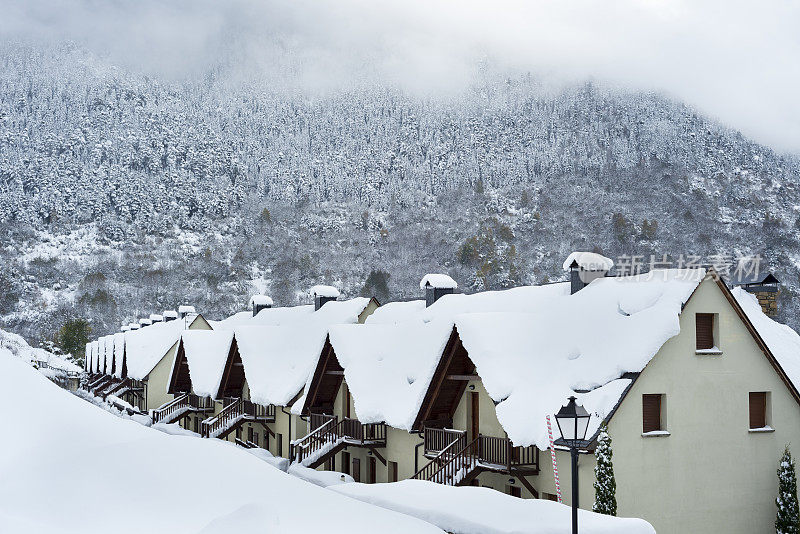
[605,487]
[788,519]
[73,336]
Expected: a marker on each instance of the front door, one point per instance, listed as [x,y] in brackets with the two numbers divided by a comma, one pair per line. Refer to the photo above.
[475,416]
[356,474]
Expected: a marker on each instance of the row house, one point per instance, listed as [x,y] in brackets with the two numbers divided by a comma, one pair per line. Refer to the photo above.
[696,385]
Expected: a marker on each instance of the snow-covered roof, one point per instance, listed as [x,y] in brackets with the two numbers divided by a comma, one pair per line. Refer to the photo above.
[144,321]
[134,326]
[782,340]
[266,317]
[186,309]
[154,317]
[439,281]
[109,352]
[529,363]
[280,346]
[589,261]
[396,312]
[324,291]
[585,341]
[206,352]
[388,367]
[170,314]
[261,300]
[119,353]
[145,347]
[125,328]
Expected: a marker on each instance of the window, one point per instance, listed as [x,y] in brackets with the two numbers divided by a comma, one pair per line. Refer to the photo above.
[759,410]
[652,420]
[704,326]
[550,496]
[392,475]
[515,491]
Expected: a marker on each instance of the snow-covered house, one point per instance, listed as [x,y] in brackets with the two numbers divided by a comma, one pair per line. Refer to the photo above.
[690,377]
[267,365]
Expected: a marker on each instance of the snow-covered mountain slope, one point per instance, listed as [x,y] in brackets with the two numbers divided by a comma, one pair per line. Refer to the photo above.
[122,194]
[51,365]
[89,471]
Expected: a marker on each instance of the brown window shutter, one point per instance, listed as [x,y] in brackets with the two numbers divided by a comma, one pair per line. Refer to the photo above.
[758,410]
[651,413]
[705,330]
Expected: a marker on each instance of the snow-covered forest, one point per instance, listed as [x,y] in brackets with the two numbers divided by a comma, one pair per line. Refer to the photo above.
[123,194]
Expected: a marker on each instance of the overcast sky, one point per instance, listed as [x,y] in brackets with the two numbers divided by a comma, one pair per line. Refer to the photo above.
[736,61]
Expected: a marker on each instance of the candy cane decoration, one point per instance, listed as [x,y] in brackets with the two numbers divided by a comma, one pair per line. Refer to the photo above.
[553,456]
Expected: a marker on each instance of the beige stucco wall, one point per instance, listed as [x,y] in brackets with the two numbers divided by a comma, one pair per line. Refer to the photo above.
[710,473]
[155,385]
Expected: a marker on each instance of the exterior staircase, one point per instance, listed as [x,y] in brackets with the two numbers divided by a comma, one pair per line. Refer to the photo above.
[331,435]
[180,406]
[239,411]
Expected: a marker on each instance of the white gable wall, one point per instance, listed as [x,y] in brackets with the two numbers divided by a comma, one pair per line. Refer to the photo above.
[710,470]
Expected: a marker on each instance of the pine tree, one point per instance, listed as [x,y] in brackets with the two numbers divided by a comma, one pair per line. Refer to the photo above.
[788,519]
[605,487]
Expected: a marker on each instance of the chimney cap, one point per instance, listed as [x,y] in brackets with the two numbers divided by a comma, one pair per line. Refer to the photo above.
[324,291]
[438,281]
[144,321]
[588,261]
[170,314]
[125,328]
[184,309]
[134,326]
[260,300]
[156,318]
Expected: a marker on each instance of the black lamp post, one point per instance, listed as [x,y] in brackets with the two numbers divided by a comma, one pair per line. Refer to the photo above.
[573,422]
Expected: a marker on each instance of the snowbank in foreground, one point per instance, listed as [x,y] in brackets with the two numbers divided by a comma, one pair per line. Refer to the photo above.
[171,483]
[320,478]
[471,510]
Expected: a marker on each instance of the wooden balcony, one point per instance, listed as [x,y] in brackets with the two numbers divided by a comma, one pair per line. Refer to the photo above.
[493,453]
[181,406]
[329,435]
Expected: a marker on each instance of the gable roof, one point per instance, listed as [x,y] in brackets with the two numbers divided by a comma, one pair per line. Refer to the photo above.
[279,347]
[119,354]
[145,347]
[205,352]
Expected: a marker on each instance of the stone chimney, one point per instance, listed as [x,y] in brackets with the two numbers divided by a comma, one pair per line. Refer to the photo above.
[260,302]
[436,286]
[764,285]
[584,267]
[323,294]
[170,315]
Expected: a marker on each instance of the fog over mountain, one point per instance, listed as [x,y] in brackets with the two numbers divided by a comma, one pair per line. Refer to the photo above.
[153,154]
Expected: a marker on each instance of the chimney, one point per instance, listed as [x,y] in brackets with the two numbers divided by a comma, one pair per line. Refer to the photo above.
[323,294]
[436,286]
[260,302]
[144,321]
[184,310]
[170,315]
[125,328]
[134,326]
[762,284]
[156,318]
[584,267]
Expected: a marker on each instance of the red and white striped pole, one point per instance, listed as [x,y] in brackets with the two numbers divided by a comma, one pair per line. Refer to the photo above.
[553,456]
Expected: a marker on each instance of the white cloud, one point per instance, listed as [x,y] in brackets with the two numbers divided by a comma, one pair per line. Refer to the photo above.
[737,61]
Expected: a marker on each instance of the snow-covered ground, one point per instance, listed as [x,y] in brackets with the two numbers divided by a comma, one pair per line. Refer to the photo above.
[74,468]
[471,510]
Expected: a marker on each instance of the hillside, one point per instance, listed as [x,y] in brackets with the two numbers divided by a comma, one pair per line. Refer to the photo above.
[122,194]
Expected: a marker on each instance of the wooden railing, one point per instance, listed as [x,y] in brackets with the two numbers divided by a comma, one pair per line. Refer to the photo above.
[318,419]
[235,410]
[355,430]
[326,434]
[452,464]
[185,401]
[438,439]
[455,460]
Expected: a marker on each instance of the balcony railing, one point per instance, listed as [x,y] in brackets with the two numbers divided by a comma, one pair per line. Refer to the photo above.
[355,430]
[188,402]
[237,410]
[438,439]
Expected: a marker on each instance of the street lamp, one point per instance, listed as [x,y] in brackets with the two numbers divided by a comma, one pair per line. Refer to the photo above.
[573,422]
